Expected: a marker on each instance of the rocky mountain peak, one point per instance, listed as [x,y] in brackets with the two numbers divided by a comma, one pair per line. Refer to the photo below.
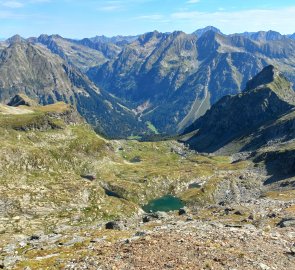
[15,39]
[270,77]
[43,38]
[267,36]
[148,37]
[202,31]
[266,76]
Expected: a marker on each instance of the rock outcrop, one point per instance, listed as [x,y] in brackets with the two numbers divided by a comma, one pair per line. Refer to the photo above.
[21,99]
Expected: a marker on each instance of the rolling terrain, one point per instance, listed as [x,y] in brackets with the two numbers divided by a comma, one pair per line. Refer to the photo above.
[72,199]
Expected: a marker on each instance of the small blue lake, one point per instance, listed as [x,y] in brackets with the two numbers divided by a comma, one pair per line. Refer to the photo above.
[165,204]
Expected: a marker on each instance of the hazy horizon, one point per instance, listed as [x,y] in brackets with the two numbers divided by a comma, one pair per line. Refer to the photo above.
[108,36]
[78,19]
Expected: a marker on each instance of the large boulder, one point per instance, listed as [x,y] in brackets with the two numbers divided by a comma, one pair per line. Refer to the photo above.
[114,225]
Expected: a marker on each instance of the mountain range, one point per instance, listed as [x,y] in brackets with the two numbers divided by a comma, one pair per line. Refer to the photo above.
[143,85]
[44,76]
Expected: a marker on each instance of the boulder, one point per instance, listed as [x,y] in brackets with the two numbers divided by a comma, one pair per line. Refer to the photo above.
[287,222]
[114,225]
[154,216]
[183,211]
[34,238]
[90,177]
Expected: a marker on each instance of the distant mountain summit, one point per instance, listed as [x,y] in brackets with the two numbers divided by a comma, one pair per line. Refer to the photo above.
[119,40]
[202,31]
[15,39]
[267,97]
[264,35]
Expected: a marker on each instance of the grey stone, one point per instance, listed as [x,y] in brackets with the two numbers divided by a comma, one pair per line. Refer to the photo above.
[154,216]
[287,222]
[90,177]
[182,211]
[263,266]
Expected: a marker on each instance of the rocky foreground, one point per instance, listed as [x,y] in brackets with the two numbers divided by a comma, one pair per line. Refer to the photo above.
[258,234]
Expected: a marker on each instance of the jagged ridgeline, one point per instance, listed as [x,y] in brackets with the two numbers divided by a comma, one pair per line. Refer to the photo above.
[171,79]
[151,84]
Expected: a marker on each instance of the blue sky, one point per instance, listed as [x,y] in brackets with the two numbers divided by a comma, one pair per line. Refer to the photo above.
[87,18]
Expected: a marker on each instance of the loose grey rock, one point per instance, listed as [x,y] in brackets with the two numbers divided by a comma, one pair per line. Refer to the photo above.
[34,238]
[264,266]
[90,177]
[287,222]
[154,216]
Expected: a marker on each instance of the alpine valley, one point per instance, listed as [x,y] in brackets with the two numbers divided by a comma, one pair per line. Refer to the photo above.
[155,151]
[141,85]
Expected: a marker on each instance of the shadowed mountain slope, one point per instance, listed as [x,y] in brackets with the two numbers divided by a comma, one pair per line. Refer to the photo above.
[231,122]
[37,72]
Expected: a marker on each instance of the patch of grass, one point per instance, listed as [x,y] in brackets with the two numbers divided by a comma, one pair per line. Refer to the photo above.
[59,107]
[134,138]
[286,195]
[152,127]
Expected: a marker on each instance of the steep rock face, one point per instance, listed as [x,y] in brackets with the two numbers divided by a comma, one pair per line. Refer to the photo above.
[180,76]
[28,68]
[278,131]
[20,99]
[267,97]
[35,71]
